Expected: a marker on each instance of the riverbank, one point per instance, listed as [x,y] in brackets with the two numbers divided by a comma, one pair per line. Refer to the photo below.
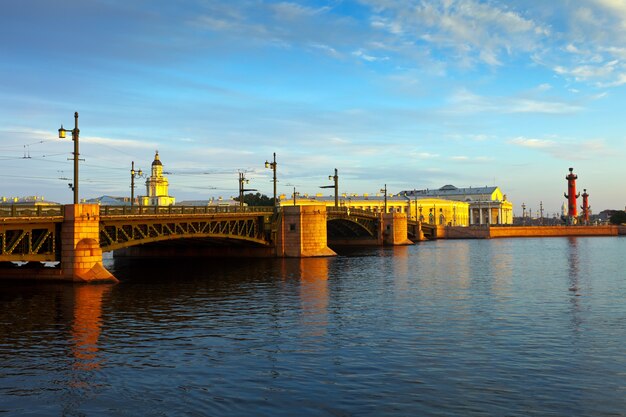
[489,232]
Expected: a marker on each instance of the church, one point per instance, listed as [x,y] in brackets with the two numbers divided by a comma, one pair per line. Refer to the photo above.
[157,187]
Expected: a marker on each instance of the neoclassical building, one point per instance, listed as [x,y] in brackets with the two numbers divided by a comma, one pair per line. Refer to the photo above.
[485,205]
[157,187]
[428,210]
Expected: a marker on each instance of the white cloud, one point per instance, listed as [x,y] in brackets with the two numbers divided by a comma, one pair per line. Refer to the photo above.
[474,31]
[563,148]
[465,101]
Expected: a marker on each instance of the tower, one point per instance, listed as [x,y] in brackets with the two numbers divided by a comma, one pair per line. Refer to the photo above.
[586,208]
[157,186]
[572,210]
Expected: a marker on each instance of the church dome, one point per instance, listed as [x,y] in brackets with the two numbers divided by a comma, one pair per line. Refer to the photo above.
[156,161]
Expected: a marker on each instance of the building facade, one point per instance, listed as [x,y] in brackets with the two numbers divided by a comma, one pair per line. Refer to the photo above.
[157,187]
[427,210]
[485,205]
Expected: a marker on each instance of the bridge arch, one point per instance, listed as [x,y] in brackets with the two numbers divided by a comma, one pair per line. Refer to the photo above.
[120,233]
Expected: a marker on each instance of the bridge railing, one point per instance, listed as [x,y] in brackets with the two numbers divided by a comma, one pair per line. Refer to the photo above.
[169,210]
[20,210]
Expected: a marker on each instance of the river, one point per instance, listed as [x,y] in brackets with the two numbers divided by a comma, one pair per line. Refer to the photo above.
[515,327]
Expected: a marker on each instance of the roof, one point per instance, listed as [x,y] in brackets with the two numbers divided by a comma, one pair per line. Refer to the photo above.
[451,190]
[156,161]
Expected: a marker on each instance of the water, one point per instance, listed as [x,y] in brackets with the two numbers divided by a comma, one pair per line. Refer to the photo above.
[516,327]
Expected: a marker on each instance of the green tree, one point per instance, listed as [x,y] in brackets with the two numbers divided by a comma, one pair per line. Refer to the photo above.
[257,200]
[618,217]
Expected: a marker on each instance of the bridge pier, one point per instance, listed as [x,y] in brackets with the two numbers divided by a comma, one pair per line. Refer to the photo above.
[81,255]
[302,232]
[393,229]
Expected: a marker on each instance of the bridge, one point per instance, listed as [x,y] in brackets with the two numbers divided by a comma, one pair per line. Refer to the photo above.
[75,236]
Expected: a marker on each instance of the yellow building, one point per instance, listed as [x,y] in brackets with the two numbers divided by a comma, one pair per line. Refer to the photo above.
[486,205]
[157,187]
[448,205]
[427,210]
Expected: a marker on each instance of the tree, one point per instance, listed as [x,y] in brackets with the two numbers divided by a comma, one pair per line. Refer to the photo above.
[618,217]
[256,200]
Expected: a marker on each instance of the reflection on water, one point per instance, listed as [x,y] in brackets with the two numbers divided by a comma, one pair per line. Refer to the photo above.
[493,327]
[313,273]
[87,325]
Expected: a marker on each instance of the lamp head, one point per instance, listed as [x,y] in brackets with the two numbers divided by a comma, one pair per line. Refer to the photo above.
[61,133]
[267,164]
[140,173]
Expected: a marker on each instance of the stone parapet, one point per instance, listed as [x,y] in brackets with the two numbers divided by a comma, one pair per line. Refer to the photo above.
[485,232]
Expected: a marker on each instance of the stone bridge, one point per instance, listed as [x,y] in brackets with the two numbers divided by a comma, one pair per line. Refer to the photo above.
[75,236]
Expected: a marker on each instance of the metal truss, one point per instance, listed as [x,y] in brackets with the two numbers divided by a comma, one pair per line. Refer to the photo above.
[352,222]
[120,232]
[30,241]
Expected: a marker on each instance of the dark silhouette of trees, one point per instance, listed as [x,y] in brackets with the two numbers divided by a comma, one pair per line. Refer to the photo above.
[257,200]
[618,217]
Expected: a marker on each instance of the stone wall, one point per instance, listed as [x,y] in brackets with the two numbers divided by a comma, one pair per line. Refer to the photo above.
[528,231]
[302,232]
[81,256]
[394,229]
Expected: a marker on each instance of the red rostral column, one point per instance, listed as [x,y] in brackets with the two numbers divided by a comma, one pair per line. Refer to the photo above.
[585,207]
[571,196]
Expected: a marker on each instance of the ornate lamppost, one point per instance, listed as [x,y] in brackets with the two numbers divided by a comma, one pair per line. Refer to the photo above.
[272,165]
[334,178]
[133,174]
[243,180]
[75,132]
[384,190]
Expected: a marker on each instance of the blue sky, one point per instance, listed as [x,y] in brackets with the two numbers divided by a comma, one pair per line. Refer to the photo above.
[414,94]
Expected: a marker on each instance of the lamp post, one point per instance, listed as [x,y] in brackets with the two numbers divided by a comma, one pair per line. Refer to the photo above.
[541,211]
[272,165]
[524,213]
[334,178]
[133,174]
[295,194]
[384,190]
[243,180]
[75,133]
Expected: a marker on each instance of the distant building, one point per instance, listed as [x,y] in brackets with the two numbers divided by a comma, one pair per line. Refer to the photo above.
[486,205]
[213,202]
[107,200]
[157,187]
[27,201]
[427,210]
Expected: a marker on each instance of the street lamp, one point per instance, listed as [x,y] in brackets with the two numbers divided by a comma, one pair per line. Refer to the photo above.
[524,213]
[384,190]
[243,180]
[75,133]
[133,174]
[272,165]
[295,194]
[334,178]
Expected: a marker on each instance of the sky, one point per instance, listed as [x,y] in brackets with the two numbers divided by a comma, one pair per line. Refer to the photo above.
[413,94]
